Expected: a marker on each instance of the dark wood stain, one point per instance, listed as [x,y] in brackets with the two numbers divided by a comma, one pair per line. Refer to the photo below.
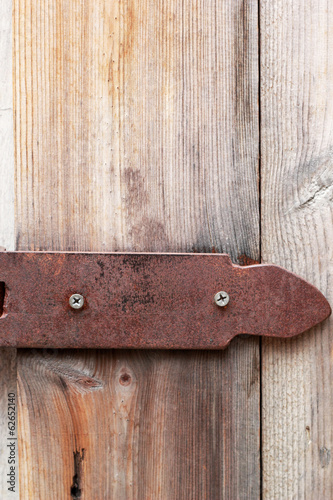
[76,488]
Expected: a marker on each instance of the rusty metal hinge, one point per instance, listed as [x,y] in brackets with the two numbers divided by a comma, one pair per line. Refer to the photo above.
[165,301]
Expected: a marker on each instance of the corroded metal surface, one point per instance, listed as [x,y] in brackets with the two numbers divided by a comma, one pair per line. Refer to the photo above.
[149,301]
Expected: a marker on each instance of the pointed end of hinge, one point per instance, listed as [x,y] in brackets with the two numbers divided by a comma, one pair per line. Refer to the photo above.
[310,306]
[285,304]
[324,307]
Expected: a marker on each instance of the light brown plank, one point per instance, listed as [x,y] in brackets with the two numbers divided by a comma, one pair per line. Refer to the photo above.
[137,129]
[9,478]
[297,175]
[7,239]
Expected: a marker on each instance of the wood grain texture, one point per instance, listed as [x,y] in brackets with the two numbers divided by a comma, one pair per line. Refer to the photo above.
[137,129]
[8,386]
[297,232]
[7,239]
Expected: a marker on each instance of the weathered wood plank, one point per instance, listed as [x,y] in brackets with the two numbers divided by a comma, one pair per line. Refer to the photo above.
[297,175]
[137,129]
[7,240]
[9,480]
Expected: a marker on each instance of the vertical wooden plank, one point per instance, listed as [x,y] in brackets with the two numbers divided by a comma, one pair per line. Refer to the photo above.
[7,240]
[297,175]
[137,129]
[9,472]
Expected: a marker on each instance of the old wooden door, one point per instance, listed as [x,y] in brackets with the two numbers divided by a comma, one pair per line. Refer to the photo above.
[174,126]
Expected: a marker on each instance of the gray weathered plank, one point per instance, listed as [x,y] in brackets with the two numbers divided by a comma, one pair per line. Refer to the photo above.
[137,129]
[7,240]
[297,232]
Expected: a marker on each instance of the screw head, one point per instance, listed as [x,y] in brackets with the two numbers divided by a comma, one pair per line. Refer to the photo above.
[221,299]
[76,301]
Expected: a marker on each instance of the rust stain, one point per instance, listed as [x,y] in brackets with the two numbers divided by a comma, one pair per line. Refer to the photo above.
[244,260]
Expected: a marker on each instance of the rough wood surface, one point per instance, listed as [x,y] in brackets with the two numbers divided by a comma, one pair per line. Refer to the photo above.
[297,175]
[8,386]
[7,240]
[137,129]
